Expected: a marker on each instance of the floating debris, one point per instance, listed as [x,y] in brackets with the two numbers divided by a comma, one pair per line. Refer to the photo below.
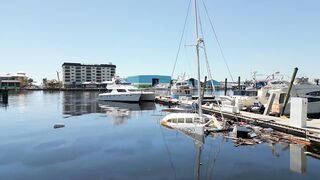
[56,126]
[243,132]
[252,136]
[268,130]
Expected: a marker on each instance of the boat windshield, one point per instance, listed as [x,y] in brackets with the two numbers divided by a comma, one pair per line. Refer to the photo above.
[121,90]
[314,93]
[245,93]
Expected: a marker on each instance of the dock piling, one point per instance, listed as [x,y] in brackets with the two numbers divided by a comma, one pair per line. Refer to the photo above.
[5,96]
[289,90]
[204,88]
[225,86]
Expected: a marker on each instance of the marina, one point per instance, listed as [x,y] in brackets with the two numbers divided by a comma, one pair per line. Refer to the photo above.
[110,145]
[127,90]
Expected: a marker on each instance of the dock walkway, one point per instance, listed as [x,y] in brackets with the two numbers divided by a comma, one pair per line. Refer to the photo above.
[311,132]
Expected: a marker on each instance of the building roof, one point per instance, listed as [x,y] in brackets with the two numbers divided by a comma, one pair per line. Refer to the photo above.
[9,81]
[5,76]
[150,75]
[89,65]
[19,74]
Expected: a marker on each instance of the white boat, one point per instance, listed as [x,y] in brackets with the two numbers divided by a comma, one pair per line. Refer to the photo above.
[123,95]
[305,89]
[182,87]
[145,95]
[301,88]
[118,91]
[190,122]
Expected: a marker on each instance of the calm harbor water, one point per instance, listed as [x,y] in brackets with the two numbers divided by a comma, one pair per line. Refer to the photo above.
[99,142]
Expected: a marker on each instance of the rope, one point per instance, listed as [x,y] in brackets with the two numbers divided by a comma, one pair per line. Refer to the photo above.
[215,158]
[218,42]
[181,38]
[209,73]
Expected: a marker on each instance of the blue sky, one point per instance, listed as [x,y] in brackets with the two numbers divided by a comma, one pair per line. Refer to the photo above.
[142,36]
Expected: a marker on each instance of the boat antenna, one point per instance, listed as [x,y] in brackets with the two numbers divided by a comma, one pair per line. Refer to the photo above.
[198,42]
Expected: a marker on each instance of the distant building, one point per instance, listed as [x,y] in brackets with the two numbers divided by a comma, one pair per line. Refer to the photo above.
[149,80]
[13,81]
[215,83]
[82,75]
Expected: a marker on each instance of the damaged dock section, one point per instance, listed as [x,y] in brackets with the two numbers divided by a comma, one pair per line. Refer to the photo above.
[311,131]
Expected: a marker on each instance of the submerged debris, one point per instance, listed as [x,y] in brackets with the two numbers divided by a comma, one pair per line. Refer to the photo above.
[240,141]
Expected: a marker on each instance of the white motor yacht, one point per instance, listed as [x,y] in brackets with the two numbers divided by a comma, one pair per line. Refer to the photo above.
[120,94]
[301,88]
[123,91]
[182,86]
[145,95]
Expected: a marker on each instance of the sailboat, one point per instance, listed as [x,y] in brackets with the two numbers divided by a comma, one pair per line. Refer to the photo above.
[193,122]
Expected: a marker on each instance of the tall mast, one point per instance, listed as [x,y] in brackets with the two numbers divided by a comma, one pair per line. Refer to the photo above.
[198,42]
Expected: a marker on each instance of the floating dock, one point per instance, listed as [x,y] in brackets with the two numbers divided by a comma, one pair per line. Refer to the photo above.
[310,132]
[167,100]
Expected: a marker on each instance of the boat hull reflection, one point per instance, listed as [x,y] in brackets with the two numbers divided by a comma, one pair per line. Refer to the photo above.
[141,106]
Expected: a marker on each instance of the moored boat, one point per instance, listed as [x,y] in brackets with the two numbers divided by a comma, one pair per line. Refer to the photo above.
[117,91]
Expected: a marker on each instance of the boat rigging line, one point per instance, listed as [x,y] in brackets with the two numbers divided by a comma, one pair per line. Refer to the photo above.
[211,166]
[209,71]
[217,39]
[169,154]
[181,38]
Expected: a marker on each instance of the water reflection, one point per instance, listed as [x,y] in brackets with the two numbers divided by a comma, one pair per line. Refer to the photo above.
[121,111]
[298,154]
[142,106]
[80,103]
[198,140]
[142,149]
[298,158]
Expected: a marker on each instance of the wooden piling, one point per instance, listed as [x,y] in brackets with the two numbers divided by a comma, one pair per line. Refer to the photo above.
[5,96]
[289,90]
[225,86]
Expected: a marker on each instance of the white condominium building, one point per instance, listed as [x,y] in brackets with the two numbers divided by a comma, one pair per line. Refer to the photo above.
[76,74]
